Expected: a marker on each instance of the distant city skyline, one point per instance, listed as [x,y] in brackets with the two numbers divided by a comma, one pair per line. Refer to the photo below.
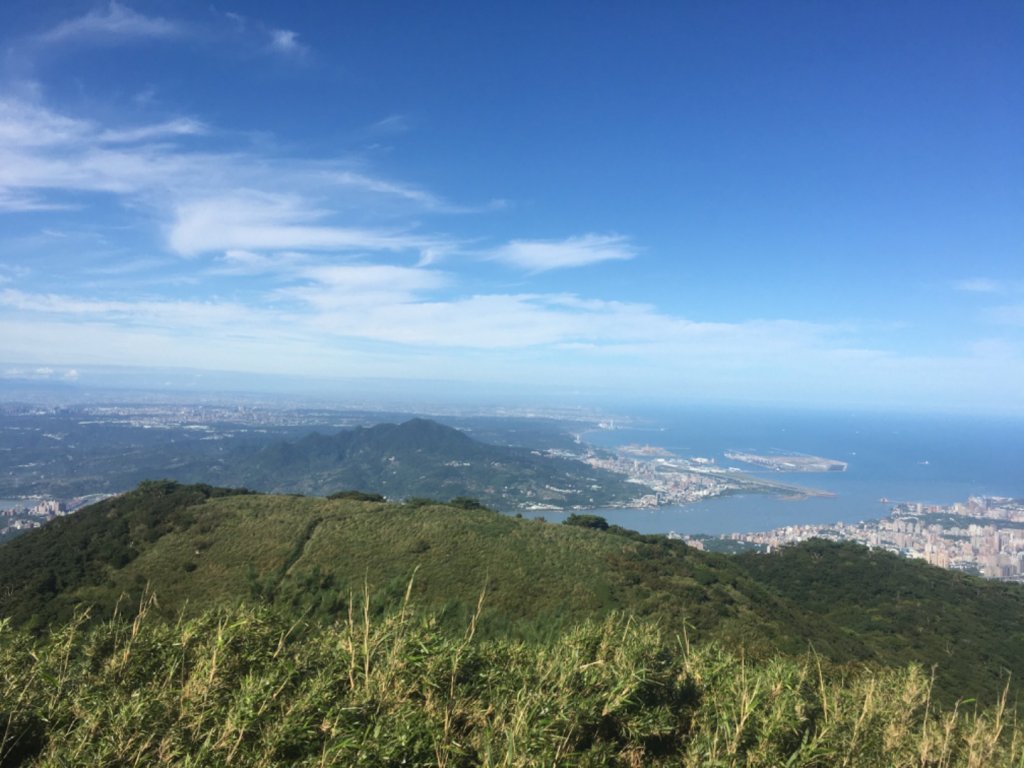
[792,204]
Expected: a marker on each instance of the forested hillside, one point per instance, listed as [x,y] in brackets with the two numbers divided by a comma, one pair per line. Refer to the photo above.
[418,457]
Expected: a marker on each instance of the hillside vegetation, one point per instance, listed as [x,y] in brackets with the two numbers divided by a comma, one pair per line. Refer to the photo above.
[198,548]
[971,629]
[248,687]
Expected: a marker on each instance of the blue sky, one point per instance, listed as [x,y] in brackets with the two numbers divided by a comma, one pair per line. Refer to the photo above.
[798,203]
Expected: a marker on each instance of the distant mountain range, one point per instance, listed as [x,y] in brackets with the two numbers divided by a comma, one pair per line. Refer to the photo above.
[416,458]
[72,453]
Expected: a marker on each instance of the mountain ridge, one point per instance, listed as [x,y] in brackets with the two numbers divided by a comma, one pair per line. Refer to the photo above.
[418,457]
[198,546]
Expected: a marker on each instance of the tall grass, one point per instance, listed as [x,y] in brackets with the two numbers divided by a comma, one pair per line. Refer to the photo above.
[246,687]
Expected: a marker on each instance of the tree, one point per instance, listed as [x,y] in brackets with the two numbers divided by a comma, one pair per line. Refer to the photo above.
[466,502]
[587,521]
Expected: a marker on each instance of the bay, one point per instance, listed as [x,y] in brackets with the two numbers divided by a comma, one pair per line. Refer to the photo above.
[934,459]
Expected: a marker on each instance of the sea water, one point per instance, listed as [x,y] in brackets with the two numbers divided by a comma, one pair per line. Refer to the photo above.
[934,459]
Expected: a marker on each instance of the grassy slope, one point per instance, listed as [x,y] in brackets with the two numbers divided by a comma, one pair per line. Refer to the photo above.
[196,548]
[315,554]
[248,687]
[40,570]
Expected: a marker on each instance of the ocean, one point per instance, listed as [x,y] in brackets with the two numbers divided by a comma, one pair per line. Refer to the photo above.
[931,459]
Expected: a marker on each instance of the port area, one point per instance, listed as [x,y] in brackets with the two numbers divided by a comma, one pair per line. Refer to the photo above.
[788,462]
[677,480]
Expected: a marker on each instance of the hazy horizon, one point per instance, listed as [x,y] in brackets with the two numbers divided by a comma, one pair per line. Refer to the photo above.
[137,386]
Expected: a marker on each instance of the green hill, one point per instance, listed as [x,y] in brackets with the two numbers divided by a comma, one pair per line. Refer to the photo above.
[196,547]
[970,628]
[418,457]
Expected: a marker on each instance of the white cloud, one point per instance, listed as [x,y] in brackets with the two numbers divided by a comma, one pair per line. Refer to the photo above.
[117,22]
[542,255]
[535,339]
[322,291]
[208,201]
[286,41]
[432,255]
[23,124]
[978,285]
[42,151]
[395,305]
[90,169]
[363,286]
[390,125]
[171,315]
[1008,314]
[428,201]
[11,202]
[146,97]
[524,321]
[369,184]
[404,280]
[279,42]
[257,221]
[240,262]
[178,127]
[270,348]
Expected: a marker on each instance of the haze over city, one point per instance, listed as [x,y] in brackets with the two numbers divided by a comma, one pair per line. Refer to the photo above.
[791,203]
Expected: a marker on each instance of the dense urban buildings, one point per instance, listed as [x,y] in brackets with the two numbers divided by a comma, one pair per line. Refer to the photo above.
[983,535]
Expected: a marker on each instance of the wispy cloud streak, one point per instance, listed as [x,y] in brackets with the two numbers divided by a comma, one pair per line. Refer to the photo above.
[206,201]
[115,23]
[978,285]
[544,255]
